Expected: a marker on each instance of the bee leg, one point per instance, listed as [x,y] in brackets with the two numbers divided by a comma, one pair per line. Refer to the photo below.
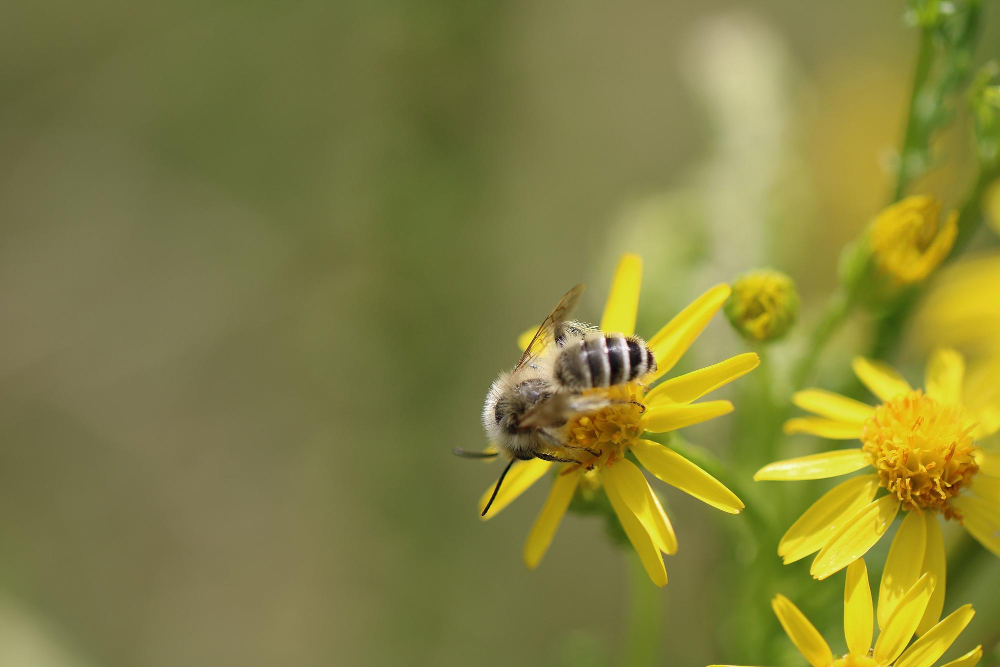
[554,459]
[458,451]
[559,443]
[642,407]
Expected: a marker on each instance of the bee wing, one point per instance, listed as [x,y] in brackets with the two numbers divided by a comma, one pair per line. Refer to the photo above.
[550,412]
[560,407]
[552,324]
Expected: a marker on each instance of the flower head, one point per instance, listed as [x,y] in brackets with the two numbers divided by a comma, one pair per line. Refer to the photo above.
[764,305]
[617,426]
[920,447]
[890,649]
[962,308]
[909,240]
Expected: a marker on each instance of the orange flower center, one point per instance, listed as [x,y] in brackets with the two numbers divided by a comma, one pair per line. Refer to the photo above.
[604,434]
[923,450]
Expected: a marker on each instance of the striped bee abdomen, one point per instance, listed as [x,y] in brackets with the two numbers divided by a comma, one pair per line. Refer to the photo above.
[603,360]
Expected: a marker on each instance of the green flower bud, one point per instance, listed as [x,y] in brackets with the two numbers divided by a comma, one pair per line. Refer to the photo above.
[764,305]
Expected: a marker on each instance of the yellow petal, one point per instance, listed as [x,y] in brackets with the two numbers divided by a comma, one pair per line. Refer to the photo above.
[987,488]
[803,634]
[939,248]
[981,519]
[669,417]
[677,471]
[856,537]
[858,609]
[881,379]
[650,556]
[544,529]
[989,462]
[970,659]
[902,566]
[692,386]
[926,650]
[826,516]
[834,406]
[824,428]
[903,622]
[981,396]
[623,300]
[815,466]
[633,489]
[944,375]
[673,340]
[521,476]
[667,535]
[934,562]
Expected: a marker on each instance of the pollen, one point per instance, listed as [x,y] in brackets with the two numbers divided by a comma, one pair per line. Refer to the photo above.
[923,451]
[607,432]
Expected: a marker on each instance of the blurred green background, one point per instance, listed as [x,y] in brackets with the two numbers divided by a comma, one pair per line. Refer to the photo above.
[259,263]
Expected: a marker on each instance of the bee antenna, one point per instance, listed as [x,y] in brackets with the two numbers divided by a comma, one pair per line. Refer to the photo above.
[497,488]
[473,455]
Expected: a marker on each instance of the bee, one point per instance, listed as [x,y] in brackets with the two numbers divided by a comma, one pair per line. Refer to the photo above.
[527,408]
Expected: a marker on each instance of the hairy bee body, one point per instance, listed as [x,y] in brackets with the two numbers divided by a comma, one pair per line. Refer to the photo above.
[510,398]
[602,360]
[527,409]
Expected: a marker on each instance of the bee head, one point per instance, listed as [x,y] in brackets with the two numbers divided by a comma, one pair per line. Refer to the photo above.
[507,402]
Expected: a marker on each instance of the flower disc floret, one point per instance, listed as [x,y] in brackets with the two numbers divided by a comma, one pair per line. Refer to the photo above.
[922,449]
[611,429]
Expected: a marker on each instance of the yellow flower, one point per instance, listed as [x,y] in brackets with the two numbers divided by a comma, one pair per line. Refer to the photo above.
[963,307]
[764,305]
[908,239]
[616,429]
[895,635]
[921,449]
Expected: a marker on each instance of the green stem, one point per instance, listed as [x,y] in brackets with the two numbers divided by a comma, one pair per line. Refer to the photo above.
[915,133]
[970,217]
[767,410]
[837,310]
[645,617]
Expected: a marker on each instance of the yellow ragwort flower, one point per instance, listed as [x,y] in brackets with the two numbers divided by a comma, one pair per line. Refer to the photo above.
[894,636]
[921,448]
[618,428]
[962,308]
[908,239]
[764,305]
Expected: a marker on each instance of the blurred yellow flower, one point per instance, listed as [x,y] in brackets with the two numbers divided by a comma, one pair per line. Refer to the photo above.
[921,448]
[909,240]
[616,429]
[894,636]
[963,307]
[764,304]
